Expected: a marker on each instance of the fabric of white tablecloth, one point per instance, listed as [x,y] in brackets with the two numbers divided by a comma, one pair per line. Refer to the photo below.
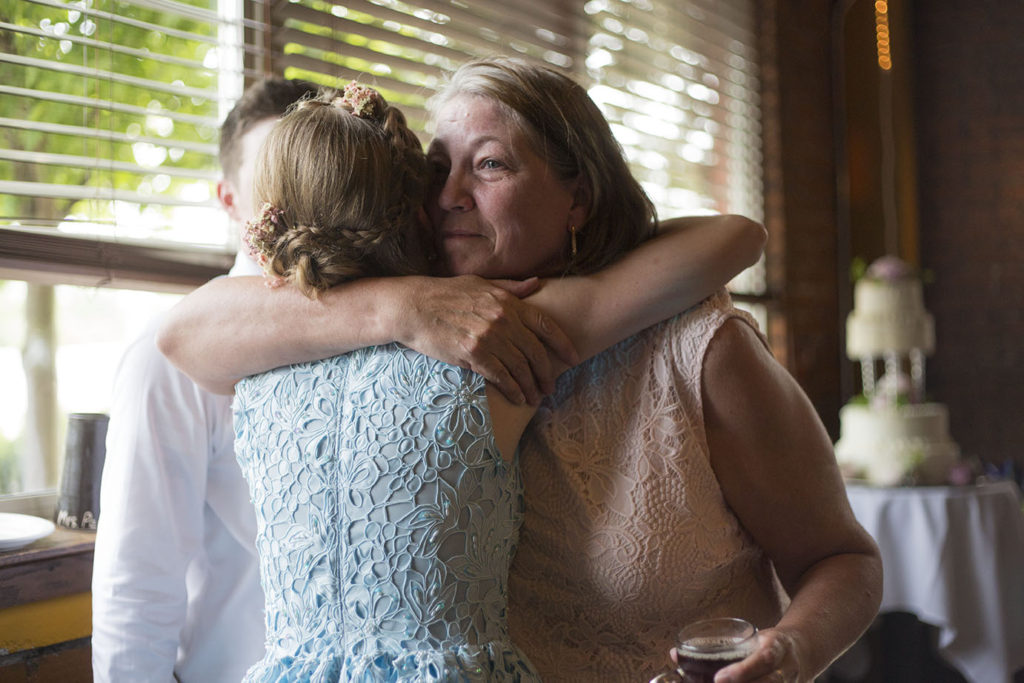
[954,556]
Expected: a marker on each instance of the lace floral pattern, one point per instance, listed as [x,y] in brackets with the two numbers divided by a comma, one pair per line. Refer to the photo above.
[626,535]
[387,519]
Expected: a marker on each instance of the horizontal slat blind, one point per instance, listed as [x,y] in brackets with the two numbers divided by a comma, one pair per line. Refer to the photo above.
[109,108]
[403,48]
[677,79]
[109,116]
[680,79]
[679,83]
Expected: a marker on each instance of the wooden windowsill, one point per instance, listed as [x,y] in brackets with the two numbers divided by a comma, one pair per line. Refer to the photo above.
[58,565]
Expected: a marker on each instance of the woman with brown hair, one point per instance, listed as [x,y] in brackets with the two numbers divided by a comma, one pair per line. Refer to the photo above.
[679,475]
[386,483]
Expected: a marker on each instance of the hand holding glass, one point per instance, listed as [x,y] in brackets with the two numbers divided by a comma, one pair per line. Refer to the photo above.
[707,646]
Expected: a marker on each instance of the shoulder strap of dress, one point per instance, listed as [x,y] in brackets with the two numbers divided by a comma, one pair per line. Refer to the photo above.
[692,333]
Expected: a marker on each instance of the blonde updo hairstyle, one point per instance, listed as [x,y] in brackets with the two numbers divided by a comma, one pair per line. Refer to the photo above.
[349,186]
[571,134]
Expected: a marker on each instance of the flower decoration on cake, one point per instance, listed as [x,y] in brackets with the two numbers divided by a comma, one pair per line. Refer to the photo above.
[888,318]
[889,269]
[260,237]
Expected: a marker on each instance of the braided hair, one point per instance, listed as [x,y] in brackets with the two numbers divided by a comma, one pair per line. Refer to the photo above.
[343,178]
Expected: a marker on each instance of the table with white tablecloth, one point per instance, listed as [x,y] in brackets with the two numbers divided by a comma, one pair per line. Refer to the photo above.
[954,557]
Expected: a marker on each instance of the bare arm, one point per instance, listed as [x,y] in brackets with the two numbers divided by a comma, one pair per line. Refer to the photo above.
[664,276]
[687,262]
[233,327]
[776,466]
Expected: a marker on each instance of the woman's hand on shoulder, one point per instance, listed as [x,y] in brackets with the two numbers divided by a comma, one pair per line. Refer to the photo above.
[484,325]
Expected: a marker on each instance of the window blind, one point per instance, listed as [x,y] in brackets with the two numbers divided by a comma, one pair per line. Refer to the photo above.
[403,49]
[677,80]
[109,117]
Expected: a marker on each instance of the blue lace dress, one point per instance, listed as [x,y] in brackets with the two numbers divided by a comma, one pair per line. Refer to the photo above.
[387,521]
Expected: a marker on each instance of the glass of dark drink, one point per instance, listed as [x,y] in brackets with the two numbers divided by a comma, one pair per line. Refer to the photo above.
[707,646]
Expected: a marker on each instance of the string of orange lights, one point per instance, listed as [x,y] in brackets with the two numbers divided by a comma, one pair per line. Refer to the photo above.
[882,35]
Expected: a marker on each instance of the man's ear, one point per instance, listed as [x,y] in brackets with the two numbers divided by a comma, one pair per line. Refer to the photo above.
[226,197]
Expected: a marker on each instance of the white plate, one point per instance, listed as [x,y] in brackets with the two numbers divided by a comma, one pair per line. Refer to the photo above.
[20,530]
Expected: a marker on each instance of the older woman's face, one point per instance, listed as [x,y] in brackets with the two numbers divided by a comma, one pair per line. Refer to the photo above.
[497,208]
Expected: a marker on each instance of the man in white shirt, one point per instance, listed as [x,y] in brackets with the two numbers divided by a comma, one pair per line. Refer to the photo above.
[175,587]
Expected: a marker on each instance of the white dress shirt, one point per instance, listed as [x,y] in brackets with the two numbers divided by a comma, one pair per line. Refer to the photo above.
[175,587]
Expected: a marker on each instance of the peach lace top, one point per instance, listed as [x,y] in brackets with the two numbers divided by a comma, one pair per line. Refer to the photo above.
[627,536]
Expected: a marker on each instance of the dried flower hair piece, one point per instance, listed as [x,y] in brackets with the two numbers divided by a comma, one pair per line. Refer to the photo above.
[260,238]
[363,101]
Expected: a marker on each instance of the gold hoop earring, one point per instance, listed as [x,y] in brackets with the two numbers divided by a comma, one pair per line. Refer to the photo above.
[572,242]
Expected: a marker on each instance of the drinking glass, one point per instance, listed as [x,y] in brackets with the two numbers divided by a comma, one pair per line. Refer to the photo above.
[706,646]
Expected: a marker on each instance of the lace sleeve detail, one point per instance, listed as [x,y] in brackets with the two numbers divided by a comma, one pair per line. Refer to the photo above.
[693,333]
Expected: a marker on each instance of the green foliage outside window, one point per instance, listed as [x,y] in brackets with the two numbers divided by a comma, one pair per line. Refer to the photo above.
[109,115]
[130,107]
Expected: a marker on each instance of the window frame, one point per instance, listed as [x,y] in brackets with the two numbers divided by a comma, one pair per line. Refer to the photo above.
[35,251]
[45,257]
[41,256]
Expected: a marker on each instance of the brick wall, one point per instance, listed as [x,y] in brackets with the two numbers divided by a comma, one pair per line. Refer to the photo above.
[960,103]
[800,209]
[969,113]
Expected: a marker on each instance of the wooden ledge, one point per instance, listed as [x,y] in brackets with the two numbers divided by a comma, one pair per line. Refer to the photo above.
[58,565]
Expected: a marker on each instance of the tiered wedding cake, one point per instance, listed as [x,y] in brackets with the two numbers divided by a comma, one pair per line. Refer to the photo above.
[890,435]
